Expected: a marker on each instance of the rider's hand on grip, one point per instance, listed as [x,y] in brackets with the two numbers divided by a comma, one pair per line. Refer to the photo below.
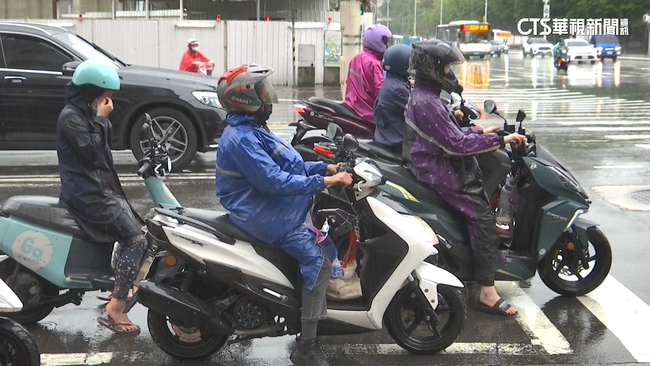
[516,138]
[344,179]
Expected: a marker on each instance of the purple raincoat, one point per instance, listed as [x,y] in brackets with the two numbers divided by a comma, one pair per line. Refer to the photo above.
[365,77]
[443,153]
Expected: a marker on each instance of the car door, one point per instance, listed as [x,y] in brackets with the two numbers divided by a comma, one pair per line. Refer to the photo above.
[32,89]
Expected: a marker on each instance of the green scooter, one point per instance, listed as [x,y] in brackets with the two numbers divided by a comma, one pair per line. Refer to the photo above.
[572,255]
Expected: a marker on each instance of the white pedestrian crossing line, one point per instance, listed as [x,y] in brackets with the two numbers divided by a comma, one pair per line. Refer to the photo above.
[624,314]
[533,320]
[621,117]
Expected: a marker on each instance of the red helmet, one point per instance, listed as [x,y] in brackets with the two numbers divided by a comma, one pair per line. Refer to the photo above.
[246,89]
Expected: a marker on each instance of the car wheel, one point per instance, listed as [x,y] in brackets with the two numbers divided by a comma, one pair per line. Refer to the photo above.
[182,142]
[613,59]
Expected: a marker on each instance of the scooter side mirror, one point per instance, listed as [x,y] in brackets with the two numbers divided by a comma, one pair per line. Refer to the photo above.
[334,131]
[521,115]
[350,143]
[489,106]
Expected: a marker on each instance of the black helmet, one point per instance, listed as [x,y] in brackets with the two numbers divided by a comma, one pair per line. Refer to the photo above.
[396,59]
[429,58]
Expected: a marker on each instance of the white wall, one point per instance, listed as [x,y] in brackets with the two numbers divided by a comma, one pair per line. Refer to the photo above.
[161,42]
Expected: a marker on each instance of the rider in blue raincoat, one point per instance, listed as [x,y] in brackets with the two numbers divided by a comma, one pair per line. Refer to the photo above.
[268,189]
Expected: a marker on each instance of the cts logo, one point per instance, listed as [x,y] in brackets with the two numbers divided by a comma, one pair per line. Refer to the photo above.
[541,21]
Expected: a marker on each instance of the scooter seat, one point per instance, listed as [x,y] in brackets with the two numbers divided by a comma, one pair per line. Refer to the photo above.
[221,222]
[340,108]
[43,211]
[382,152]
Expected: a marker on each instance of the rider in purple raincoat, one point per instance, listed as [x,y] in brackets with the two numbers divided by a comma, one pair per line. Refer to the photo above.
[443,155]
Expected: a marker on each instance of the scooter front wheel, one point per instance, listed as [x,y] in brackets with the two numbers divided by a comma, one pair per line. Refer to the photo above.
[406,321]
[17,345]
[562,271]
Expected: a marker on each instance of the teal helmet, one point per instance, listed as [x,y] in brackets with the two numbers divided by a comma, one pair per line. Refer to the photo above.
[97,74]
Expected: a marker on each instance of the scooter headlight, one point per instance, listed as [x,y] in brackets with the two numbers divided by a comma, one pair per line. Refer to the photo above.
[568,181]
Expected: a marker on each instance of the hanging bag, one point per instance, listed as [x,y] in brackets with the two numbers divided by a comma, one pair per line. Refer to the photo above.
[347,287]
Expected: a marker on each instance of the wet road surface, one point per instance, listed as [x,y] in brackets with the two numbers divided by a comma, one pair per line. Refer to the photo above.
[593,120]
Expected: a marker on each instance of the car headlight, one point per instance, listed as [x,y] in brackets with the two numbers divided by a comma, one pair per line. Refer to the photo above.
[208,98]
[618,48]
[428,234]
[568,181]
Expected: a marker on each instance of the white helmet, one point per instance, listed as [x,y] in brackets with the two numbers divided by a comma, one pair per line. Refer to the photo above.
[192,40]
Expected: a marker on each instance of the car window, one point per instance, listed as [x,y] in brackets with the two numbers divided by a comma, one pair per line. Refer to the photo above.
[2,55]
[31,53]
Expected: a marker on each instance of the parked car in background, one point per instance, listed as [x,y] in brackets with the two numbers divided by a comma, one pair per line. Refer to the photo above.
[498,48]
[580,50]
[36,63]
[537,46]
[607,46]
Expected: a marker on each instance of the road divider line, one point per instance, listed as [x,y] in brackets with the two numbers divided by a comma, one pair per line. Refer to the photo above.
[643,146]
[73,359]
[624,314]
[533,320]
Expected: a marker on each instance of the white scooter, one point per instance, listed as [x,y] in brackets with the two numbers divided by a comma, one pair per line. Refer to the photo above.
[17,346]
[211,284]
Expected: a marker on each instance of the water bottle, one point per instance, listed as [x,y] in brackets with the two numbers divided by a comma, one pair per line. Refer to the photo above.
[504,211]
[337,268]
[117,250]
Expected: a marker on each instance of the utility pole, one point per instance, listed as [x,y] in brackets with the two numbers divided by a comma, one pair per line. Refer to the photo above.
[294,14]
[485,15]
[388,13]
[547,11]
[441,2]
[351,29]
[415,17]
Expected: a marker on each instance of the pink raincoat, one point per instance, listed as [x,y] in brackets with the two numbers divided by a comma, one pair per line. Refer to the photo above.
[365,76]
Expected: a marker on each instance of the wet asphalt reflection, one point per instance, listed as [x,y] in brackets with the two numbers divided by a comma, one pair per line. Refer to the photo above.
[593,119]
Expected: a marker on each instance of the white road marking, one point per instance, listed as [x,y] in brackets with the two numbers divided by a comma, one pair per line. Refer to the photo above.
[643,146]
[623,313]
[594,129]
[510,349]
[618,166]
[70,359]
[597,122]
[533,320]
[628,137]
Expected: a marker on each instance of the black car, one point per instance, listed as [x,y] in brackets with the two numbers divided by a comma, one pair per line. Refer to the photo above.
[37,61]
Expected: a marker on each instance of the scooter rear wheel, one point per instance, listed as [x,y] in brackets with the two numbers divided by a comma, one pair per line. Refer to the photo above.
[403,319]
[551,266]
[17,345]
[30,289]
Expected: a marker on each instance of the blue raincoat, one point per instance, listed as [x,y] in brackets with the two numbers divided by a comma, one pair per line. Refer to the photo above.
[268,189]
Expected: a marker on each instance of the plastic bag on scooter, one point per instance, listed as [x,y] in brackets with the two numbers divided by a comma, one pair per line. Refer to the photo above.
[347,287]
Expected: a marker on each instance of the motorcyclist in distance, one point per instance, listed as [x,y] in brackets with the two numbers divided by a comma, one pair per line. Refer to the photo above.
[366,75]
[443,157]
[268,189]
[557,51]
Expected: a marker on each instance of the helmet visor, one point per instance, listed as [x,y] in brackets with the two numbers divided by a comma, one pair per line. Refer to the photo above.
[453,57]
[266,91]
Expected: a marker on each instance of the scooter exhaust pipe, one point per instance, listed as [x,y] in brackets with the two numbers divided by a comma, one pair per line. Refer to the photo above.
[182,306]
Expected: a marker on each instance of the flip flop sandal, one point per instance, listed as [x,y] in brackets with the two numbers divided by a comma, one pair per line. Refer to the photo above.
[114,326]
[109,297]
[500,308]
